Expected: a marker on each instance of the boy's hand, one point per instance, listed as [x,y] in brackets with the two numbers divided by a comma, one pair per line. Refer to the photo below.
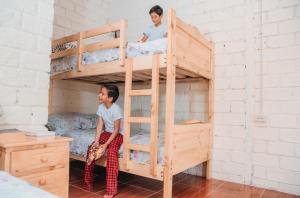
[95,144]
[103,147]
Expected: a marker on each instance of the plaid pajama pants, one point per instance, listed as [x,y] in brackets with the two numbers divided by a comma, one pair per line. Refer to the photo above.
[112,164]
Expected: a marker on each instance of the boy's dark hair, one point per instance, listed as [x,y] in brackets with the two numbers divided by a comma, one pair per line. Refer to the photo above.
[157,9]
[112,91]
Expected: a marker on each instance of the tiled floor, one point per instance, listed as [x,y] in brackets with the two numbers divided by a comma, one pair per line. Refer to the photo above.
[185,186]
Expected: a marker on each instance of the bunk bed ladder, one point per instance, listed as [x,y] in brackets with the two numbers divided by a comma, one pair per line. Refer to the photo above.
[153,120]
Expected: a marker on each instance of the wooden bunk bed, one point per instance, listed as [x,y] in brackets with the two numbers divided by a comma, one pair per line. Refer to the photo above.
[189,57]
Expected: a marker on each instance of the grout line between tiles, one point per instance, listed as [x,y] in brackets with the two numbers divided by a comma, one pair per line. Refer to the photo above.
[215,189]
[262,193]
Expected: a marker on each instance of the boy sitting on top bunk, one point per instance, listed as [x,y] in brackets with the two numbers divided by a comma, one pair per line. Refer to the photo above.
[157,30]
[108,137]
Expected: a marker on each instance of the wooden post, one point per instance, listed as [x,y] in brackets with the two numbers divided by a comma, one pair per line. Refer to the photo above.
[170,107]
[79,51]
[123,41]
[127,111]
[154,113]
[210,112]
[50,97]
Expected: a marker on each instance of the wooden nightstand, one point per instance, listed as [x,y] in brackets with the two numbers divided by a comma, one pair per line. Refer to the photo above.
[44,162]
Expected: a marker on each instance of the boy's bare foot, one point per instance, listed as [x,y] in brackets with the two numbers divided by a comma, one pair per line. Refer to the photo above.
[108,196]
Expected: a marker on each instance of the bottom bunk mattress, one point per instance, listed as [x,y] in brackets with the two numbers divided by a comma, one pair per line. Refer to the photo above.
[83,138]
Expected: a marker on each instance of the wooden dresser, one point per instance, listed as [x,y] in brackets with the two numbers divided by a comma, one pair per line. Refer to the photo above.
[44,162]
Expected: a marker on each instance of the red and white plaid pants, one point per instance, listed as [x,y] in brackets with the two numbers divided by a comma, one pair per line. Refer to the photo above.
[112,164]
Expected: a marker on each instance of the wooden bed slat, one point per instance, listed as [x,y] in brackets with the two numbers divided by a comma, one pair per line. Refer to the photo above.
[139,119]
[186,64]
[143,170]
[186,73]
[187,139]
[67,52]
[196,59]
[141,92]
[148,73]
[142,76]
[139,147]
[101,45]
[115,77]
[66,39]
[135,168]
[101,30]
[193,32]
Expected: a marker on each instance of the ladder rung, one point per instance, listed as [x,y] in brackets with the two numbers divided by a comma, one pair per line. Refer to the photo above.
[141,92]
[139,147]
[139,119]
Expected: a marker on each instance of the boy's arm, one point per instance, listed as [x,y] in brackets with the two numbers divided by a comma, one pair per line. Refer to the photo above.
[144,38]
[99,129]
[117,125]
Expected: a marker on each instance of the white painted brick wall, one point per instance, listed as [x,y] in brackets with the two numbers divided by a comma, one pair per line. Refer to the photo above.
[290,163]
[260,146]
[280,106]
[66,94]
[73,16]
[266,160]
[280,148]
[26,30]
[290,135]
[297,148]
[287,177]
[259,171]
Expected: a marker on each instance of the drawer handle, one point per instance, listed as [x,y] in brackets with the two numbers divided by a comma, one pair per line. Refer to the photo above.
[44,159]
[42,182]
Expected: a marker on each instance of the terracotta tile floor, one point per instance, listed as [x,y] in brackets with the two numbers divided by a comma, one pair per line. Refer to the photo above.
[185,186]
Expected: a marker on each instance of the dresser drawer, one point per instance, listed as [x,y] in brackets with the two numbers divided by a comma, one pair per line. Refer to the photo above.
[55,181]
[32,161]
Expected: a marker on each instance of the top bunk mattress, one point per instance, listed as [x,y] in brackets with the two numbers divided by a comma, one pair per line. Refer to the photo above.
[133,49]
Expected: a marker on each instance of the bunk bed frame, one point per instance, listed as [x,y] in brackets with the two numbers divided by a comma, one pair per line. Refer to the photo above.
[189,57]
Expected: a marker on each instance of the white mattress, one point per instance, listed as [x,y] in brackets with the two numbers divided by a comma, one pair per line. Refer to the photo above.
[83,138]
[133,49]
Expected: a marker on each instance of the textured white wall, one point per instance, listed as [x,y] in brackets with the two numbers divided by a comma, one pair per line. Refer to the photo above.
[25,32]
[275,150]
[71,16]
[74,96]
